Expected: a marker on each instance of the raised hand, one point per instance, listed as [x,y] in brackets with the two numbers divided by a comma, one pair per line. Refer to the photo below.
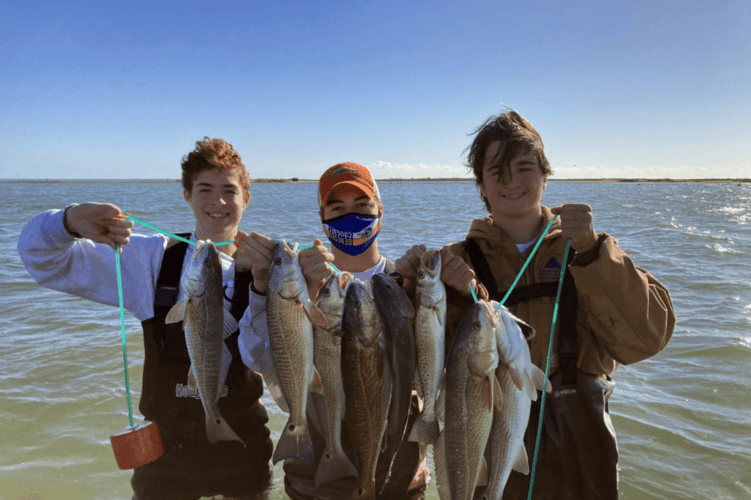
[100,222]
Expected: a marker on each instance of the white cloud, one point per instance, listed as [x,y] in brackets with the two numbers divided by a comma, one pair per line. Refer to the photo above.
[388,170]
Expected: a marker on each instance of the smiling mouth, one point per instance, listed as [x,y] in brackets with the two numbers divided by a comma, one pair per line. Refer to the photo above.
[513,196]
[216,216]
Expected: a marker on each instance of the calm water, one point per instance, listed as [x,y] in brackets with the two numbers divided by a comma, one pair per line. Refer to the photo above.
[682,417]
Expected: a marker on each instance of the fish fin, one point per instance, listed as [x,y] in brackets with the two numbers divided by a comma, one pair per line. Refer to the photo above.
[268,372]
[497,393]
[294,443]
[483,475]
[425,430]
[487,393]
[334,466]
[230,324]
[177,313]
[516,377]
[224,361]
[192,384]
[276,393]
[529,386]
[316,384]
[315,315]
[538,377]
[522,461]
[440,402]
[217,429]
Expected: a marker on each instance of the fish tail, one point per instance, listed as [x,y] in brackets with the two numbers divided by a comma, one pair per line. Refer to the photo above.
[425,430]
[294,442]
[217,429]
[334,466]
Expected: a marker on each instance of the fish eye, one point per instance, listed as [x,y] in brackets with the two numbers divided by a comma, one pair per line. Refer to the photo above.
[278,261]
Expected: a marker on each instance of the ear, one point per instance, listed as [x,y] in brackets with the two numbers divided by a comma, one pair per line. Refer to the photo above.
[247,199]
[186,195]
[482,191]
[544,182]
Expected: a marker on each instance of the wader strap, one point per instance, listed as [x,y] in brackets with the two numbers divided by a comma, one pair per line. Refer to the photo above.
[568,349]
[168,282]
[168,287]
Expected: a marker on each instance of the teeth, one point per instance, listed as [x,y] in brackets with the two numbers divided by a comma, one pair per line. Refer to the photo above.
[217,216]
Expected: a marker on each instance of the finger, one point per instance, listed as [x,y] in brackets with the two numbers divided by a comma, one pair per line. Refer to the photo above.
[262,240]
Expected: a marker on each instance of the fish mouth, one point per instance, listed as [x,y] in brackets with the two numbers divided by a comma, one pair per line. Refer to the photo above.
[430,260]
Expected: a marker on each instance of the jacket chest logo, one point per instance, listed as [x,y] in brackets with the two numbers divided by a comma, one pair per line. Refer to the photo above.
[550,267]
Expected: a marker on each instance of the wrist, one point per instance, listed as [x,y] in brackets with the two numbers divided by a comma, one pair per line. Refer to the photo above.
[66,221]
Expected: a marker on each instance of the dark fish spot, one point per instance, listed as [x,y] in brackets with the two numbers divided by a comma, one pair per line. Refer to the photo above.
[291,428]
[328,457]
[218,421]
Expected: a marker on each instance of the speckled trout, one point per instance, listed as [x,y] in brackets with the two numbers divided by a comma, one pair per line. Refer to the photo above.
[327,356]
[430,328]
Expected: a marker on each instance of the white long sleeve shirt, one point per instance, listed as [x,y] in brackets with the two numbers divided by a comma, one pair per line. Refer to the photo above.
[84,268]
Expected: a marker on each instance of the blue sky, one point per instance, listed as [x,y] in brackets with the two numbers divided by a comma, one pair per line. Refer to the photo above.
[616,88]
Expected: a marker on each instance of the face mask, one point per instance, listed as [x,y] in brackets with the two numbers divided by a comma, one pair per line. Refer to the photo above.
[352,233]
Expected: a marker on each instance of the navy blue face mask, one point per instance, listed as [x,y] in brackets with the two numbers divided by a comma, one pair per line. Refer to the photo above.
[352,233]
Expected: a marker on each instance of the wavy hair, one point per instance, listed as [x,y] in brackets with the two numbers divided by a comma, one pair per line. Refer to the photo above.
[517,137]
[213,154]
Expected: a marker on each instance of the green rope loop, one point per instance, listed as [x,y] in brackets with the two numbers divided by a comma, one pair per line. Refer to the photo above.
[122,331]
[547,368]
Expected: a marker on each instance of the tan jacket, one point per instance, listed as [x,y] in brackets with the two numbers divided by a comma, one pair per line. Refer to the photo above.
[624,315]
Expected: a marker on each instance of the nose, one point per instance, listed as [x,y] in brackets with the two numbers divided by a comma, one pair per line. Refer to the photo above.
[218,199]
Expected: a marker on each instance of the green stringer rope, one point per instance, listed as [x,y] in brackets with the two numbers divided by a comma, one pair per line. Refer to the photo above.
[122,306]
[552,333]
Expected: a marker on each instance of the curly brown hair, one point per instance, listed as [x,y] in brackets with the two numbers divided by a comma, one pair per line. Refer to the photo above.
[517,137]
[213,154]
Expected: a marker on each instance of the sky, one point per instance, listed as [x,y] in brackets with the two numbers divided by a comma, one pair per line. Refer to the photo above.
[616,88]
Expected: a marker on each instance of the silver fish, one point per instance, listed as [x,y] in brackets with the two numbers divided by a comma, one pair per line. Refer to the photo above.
[206,325]
[329,406]
[472,390]
[430,326]
[363,367]
[516,376]
[289,312]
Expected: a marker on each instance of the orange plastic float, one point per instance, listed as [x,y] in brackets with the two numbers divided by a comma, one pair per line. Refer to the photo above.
[137,445]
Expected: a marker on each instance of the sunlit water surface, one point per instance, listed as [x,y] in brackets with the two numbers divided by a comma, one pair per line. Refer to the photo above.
[682,417]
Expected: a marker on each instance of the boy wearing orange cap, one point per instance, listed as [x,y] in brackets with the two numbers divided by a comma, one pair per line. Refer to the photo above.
[351,210]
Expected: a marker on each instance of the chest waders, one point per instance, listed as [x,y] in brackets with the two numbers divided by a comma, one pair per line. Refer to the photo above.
[578,455]
[191,466]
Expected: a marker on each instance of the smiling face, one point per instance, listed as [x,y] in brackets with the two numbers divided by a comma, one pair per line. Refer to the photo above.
[516,192]
[218,201]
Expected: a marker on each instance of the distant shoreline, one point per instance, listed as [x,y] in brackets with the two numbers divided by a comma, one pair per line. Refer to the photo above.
[313,181]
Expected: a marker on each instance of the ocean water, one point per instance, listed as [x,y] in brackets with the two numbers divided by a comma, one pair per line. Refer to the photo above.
[683,418]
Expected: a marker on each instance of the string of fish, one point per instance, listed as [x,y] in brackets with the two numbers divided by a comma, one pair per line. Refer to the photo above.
[122,307]
[552,332]
[474,295]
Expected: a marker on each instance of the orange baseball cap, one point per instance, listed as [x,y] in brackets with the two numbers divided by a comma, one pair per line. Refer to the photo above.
[349,173]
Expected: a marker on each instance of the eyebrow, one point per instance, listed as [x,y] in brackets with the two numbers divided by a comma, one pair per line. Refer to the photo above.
[336,200]
[208,184]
